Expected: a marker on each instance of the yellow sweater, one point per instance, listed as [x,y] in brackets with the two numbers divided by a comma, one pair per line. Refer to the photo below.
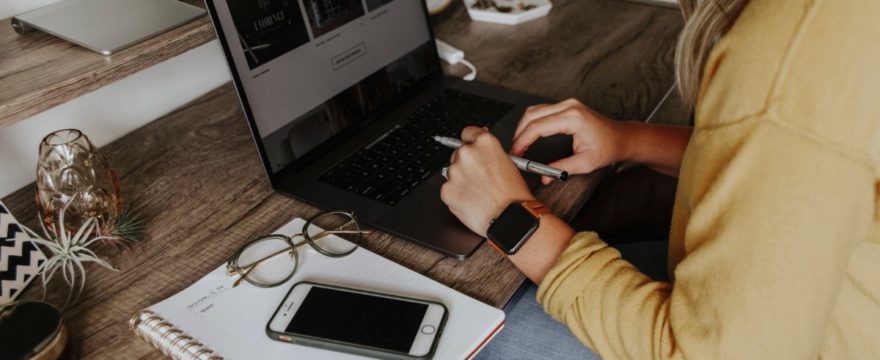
[775,241]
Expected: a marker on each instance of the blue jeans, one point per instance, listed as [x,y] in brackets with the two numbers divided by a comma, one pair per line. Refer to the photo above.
[529,333]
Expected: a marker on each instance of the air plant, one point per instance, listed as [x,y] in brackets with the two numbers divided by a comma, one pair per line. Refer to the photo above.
[126,231]
[70,251]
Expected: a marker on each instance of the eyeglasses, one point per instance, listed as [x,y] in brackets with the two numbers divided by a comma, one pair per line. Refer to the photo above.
[272,260]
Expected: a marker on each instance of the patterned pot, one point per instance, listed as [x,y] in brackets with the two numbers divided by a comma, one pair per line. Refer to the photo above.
[71,171]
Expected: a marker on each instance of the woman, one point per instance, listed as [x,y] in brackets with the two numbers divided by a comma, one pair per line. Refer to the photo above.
[774,249]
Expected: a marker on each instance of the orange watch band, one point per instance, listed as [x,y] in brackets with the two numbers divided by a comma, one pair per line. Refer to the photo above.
[536,207]
[498,249]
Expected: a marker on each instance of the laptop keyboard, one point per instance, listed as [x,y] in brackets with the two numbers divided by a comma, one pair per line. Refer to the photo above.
[389,168]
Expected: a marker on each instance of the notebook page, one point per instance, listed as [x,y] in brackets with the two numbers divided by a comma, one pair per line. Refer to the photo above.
[232,321]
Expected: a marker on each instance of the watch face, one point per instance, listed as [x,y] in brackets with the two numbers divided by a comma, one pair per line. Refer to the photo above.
[512,228]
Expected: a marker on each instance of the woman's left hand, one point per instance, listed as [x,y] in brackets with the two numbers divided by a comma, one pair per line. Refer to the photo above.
[482,181]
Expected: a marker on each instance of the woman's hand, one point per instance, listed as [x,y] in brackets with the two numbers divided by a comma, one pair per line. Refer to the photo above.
[596,138]
[482,181]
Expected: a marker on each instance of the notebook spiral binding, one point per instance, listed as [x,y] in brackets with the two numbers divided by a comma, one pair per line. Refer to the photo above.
[170,340]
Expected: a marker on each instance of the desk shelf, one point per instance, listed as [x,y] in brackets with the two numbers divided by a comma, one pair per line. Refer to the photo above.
[39,71]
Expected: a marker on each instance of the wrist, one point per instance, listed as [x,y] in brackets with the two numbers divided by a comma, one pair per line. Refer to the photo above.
[542,251]
[623,133]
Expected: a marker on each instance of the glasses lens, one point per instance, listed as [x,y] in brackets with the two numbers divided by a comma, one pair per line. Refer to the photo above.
[334,234]
[268,261]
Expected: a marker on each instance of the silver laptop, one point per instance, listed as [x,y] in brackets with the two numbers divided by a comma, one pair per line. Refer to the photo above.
[107,26]
[342,98]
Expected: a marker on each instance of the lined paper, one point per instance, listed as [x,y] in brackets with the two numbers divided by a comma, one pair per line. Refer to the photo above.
[232,321]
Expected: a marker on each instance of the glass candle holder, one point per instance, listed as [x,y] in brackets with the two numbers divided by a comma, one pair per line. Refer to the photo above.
[72,173]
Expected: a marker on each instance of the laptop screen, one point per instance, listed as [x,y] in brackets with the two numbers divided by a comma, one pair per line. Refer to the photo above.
[311,70]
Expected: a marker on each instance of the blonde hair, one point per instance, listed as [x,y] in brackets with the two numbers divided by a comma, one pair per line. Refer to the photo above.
[705,22]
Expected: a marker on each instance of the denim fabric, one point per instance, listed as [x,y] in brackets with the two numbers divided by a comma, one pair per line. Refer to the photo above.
[529,333]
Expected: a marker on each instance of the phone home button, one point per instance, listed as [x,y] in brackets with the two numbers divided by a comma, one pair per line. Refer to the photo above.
[428,329]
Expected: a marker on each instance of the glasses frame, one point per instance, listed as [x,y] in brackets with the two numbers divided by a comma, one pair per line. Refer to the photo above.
[233,268]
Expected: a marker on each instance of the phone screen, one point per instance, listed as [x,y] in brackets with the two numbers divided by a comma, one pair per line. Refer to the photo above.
[361,319]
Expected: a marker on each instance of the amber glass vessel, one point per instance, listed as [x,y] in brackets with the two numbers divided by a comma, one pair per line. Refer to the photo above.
[72,171]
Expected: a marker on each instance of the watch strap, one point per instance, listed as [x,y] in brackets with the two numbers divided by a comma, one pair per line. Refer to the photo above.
[536,207]
[495,246]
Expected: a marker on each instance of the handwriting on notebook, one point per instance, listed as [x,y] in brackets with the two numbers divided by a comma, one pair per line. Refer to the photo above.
[203,304]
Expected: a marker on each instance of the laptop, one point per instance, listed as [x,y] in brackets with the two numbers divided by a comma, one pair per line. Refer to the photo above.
[343,97]
[106,26]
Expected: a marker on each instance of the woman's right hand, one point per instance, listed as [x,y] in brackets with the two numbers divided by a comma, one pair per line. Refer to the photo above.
[596,138]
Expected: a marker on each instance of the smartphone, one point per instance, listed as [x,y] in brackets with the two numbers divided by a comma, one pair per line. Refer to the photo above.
[358,321]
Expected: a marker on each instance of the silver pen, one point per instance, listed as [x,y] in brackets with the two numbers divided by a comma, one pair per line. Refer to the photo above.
[522,164]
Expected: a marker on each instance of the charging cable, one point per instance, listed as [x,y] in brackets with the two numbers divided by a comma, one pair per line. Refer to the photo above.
[661,103]
[454,56]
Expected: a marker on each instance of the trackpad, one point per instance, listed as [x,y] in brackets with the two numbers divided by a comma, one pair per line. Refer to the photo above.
[430,221]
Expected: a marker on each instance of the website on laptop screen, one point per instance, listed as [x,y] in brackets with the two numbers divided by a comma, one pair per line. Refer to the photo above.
[312,68]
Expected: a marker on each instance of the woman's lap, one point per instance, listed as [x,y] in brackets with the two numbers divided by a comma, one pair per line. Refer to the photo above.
[529,333]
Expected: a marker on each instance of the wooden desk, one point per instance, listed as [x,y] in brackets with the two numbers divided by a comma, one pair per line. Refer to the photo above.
[196,178]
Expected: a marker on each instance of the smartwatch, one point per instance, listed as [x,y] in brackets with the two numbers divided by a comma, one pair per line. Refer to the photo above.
[517,223]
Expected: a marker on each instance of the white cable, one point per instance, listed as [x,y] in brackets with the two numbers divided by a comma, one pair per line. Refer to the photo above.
[661,103]
[453,56]
[473,74]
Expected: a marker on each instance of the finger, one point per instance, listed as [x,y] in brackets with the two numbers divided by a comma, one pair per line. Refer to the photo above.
[449,197]
[559,123]
[446,194]
[453,157]
[539,111]
[449,170]
[471,133]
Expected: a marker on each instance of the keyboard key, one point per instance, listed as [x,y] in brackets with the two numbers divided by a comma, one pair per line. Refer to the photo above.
[437,162]
[364,189]
[382,191]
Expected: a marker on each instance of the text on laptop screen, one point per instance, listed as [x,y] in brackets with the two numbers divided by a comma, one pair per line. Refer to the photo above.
[310,69]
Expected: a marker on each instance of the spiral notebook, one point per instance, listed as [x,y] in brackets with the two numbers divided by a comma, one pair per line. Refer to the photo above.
[212,320]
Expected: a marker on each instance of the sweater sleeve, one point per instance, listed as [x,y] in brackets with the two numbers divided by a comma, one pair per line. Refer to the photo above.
[773,218]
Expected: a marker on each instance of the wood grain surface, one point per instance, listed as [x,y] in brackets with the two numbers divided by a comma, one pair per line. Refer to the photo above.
[39,71]
[195,176]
